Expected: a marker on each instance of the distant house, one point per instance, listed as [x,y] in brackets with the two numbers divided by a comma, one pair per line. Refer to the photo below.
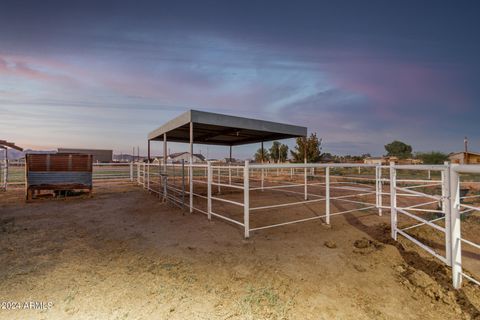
[179,156]
[99,155]
[375,160]
[387,160]
[464,157]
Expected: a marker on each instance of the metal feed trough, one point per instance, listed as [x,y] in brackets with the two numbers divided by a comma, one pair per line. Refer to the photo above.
[58,172]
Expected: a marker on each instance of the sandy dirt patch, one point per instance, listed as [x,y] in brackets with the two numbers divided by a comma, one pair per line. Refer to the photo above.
[125,255]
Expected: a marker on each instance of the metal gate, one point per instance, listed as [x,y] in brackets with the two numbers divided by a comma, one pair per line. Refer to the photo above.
[447,193]
[425,202]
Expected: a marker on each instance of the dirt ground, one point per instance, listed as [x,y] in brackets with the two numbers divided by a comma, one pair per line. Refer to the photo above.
[125,255]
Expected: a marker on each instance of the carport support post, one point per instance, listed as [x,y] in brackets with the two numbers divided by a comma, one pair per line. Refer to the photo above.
[148,151]
[190,178]
[262,167]
[327,195]
[246,200]
[456,242]
[165,156]
[209,190]
[230,167]
[393,200]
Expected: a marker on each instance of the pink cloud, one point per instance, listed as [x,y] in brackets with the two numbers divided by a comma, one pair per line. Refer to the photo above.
[390,83]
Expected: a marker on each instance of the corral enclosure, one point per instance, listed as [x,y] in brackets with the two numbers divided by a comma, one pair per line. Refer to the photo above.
[256,197]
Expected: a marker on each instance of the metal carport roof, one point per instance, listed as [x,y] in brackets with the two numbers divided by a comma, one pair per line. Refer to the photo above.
[220,129]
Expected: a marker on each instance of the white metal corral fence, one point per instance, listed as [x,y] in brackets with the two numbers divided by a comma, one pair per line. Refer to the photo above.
[250,195]
[462,204]
[13,175]
[444,205]
[261,196]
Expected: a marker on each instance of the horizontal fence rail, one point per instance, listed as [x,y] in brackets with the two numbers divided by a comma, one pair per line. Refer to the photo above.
[13,174]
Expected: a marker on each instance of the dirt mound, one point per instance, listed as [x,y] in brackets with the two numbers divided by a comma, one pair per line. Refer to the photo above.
[366,246]
[330,244]
[433,286]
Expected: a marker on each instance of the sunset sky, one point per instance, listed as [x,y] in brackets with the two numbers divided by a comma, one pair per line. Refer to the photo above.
[359,73]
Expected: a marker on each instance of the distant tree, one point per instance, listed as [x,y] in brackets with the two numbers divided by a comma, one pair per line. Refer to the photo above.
[312,146]
[274,151]
[398,149]
[283,152]
[433,157]
[258,155]
[278,152]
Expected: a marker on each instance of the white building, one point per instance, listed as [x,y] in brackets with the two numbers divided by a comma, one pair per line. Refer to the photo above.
[185,156]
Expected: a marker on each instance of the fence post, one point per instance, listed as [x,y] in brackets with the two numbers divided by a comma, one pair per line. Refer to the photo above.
[144,174]
[138,172]
[148,176]
[455,233]
[209,190]
[131,171]
[246,200]
[262,177]
[379,188]
[229,174]
[327,195]
[393,200]
[165,187]
[162,183]
[305,181]
[190,181]
[219,181]
[183,184]
[443,182]
[447,211]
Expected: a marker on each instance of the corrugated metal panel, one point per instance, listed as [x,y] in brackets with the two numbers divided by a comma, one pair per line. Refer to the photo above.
[59,177]
[59,162]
